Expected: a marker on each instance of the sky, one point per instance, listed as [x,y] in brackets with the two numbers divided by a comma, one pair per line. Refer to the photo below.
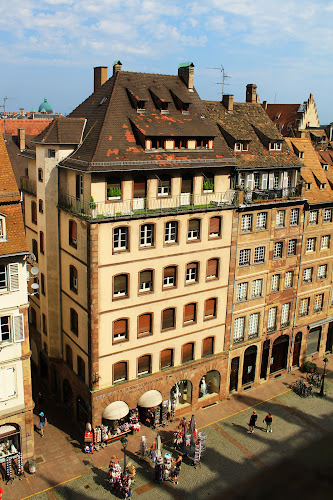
[49,49]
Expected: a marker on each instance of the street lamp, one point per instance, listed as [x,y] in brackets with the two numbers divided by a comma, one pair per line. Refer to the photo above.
[124,442]
[321,394]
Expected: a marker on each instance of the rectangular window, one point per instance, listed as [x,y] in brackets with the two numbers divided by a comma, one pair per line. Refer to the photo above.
[294,216]
[192,272]
[190,311]
[171,232]
[193,229]
[120,285]
[241,292]
[212,268]
[44,324]
[2,228]
[253,325]
[256,289]
[318,303]
[271,319]
[256,177]
[146,281]
[215,227]
[278,249]
[280,218]
[244,257]
[3,277]
[120,238]
[307,275]
[304,307]
[325,242]
[313,343]
[276,180]
[169,278]
[239,329]
[4,328]
[120,329]
[328,215]
[275,283]
[147,235]
[313,217]
[145,324]
[40,175]
[285,315]
[292,244]
[322,271]
[261,221]
[168,319]
[246,223]
[310,244]
[259,255]
[51,153]
[288,279]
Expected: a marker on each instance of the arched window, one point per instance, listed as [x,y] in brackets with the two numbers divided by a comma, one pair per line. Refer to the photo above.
[73,280]
[69,356]
[120,329]
[146,281]
[144,365]
[120,372]
[74,321]
[168,318]
[188,352]
[72,233]
[145,324]
[214,227]
[208,346]
[212,268]
[81,368]
[170,276]
[33,212]
[35,249]
[192,272]
[166,358]
[120,286]
[190,313]
[210,308]
[193,229]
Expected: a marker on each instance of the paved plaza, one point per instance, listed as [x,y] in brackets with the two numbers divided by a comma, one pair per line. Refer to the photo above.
[296,457]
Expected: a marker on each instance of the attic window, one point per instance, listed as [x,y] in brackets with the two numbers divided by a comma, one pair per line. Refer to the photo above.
[325,166]
[180,143]
[158,143]
[204,143]
[308,186]
[301,154]
[275,146]
[185,108]
[164,107]
[102,101]
[241,146]
[2,228]
[141,106]
[322,185]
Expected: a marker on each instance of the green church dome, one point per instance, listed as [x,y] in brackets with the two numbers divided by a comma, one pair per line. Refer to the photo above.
[45,107]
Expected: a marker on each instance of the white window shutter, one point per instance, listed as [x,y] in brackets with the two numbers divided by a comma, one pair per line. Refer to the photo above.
[250,181]
[18,328]
[8,383]
[264,180]
[285,179]
[14,282]
[271,180]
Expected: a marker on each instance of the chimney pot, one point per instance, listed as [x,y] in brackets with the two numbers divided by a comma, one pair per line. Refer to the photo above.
[117,67]
[228,102]
[21,138]
[186,74]
[100,76]
[251,93]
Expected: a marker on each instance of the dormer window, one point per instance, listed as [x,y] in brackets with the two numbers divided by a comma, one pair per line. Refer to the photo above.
[185,108]
[141,106]
[301,155]
[164,107]
[241,146]
[157,143]
[204,143]
[2,228]
[325,166]
[275,146]
[322,185]
[137,103]
[308,186]
[180,143]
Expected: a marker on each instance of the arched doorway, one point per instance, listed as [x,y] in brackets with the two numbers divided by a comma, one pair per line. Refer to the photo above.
[234,369]
[149,406]
[68,396]
[249,365]
[264,359]
[297,349]
[181,394]
[279,353]
[209,384]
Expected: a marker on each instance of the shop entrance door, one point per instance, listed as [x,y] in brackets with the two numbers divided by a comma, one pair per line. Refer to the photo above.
[234,374]
[329,340]
[297,349]
[280,353]
[264,359]
[249,365]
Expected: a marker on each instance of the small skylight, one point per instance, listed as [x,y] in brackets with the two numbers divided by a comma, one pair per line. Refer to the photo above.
[102,101]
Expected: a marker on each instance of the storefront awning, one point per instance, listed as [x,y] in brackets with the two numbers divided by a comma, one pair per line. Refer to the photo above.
[116,410]
[319,323]
[150,399]
[7,429]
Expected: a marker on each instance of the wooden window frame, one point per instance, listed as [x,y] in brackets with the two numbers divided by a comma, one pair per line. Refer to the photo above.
[195,314]
[118,381]
[126,294]
[212,235]
[217,274]
[211,316]
[203,355]
[144,291]
[193,352]
[174,319]
[148,332]
[167,287]
[172,359]
[125,248]
[146,372]
[125,338]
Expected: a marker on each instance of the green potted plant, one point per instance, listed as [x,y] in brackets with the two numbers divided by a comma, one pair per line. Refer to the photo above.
[93,208]
[208,186]
[309,366]
[114,193]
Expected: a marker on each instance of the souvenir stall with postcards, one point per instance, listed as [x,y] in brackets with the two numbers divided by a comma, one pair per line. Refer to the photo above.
[11,460]
[150,410]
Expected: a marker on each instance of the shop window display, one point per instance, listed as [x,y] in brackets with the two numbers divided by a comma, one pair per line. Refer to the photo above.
[209,384]
[10,442]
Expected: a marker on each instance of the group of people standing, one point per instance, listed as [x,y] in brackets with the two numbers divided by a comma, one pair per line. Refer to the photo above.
[253,420]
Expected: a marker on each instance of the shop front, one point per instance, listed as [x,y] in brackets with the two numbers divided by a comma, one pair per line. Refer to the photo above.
[279,357]
[209,385]
[149,406]
[10,441]
[180,395]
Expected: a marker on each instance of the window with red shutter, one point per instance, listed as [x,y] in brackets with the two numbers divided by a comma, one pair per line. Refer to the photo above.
[168,318]
[190,313]
[187,352]
[144,364]
[120,329]
[210,308]
[145,324]
[166,358]
[212,268]
[215,227]
[208,346]
[120,372]
[169,276]
[120,285]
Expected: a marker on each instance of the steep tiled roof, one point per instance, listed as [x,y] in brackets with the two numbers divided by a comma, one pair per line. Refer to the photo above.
[249,121]
[284,116]
[312,171]
[19,163]
[31,127]
[115,130]
[62,131]
[10,207]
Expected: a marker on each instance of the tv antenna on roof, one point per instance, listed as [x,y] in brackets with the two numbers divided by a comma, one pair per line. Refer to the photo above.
[223,77]
[4,113]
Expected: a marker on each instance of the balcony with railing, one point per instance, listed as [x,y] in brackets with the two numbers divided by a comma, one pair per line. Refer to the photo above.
[28,186]
[146,207]
[264,195]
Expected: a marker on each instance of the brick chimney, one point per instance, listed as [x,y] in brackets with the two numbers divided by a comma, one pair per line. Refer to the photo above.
[117,67]
[100,76]
[228,102]
[21,138]
[251,93]
[186,74]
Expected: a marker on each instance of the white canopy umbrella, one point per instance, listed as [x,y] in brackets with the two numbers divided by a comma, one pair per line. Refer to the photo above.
[116,410]
[150,399]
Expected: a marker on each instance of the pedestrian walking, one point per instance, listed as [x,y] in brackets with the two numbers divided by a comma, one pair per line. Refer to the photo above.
[268,421]
[42,423]
[176,472]
[252,422]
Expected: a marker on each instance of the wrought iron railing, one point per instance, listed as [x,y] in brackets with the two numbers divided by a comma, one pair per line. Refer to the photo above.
[272,194]
[145,207]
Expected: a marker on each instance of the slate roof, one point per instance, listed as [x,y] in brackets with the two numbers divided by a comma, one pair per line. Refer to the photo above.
[284,116]
[249,121]
[10,207]
[62,131]
[111,138]
[312,172]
